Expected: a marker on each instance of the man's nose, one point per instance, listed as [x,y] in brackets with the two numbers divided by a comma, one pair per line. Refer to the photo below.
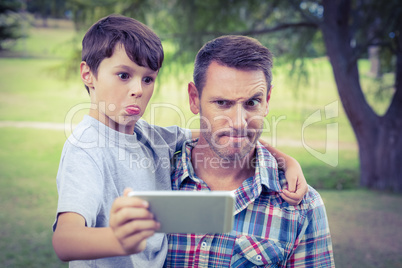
[135,88]
[239,118]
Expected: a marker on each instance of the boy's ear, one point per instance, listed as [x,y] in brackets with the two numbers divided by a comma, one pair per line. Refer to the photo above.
[86,74]
[193,98]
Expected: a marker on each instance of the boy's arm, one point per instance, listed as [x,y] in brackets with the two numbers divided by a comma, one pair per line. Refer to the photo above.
[130,225]
[195,133]
[297,185]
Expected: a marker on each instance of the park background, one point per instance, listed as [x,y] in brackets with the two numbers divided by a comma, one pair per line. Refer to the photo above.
[42,98]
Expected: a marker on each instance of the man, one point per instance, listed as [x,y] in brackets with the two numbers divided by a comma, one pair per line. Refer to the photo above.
[231,91]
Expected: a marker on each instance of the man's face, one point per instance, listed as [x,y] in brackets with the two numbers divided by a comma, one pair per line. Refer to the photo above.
[121,91]
[232,106]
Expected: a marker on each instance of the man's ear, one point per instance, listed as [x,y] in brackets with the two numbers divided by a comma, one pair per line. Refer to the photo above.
[193,98]
[86,75]
[268,98]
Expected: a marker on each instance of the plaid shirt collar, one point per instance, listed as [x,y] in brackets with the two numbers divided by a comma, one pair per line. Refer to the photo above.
[265,179]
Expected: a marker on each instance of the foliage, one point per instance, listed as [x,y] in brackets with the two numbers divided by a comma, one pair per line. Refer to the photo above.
[10,22]
[365,225]
[293,29]
[47,8]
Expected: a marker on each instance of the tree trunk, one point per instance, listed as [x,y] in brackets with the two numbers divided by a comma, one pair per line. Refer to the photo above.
[379,138]
[375,64]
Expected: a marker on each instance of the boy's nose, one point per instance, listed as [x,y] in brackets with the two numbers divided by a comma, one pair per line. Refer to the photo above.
[136,89]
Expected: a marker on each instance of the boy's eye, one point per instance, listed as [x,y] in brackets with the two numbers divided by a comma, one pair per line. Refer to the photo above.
[148,80]
[124,76]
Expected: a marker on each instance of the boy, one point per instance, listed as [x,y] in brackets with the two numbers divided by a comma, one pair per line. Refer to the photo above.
[121,58]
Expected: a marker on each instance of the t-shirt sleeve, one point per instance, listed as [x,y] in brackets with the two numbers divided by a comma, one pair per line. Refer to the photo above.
[172,137]
[79,184]
[182,134]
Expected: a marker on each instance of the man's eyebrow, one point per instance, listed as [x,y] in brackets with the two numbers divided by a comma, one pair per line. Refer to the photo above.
[214,99]
[257,95]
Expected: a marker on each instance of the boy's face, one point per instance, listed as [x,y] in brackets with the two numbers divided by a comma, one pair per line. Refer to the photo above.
[120,92]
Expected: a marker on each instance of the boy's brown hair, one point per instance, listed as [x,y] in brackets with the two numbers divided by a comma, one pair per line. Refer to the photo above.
[142,45]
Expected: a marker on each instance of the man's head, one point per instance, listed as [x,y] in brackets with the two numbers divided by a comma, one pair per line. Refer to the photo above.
[239,52]
[231,92]
[141,44]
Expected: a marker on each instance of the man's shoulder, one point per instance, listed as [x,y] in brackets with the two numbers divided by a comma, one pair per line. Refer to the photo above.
[312,200]
[178,159]
[267,169]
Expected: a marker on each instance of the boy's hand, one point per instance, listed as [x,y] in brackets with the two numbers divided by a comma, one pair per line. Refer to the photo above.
[132,223]
[297,185]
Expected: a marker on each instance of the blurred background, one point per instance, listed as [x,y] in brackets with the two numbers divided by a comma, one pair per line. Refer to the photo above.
[336,106]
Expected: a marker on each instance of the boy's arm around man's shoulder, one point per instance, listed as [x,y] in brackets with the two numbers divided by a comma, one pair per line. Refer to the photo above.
[131,224]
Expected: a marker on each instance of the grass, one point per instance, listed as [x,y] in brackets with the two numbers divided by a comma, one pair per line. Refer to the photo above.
[365,228]
[364,224]
[28,163]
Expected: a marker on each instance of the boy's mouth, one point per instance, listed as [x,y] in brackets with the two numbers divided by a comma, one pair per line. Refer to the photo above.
[133,110]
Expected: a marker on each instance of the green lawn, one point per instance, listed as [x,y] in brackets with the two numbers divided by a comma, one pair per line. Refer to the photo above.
[28,163]
[365,224]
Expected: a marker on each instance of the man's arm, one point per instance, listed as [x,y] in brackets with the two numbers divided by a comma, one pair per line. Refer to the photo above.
[297,185]
[314,247]
[130,225]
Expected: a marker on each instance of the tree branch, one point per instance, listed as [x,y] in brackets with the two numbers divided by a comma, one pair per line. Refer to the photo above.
[280,27]
[276,28]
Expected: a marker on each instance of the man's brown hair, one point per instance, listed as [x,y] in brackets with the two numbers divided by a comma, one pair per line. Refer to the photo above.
[235,51]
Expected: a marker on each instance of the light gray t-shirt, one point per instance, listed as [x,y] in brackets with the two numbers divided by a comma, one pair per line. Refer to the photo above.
[98,163]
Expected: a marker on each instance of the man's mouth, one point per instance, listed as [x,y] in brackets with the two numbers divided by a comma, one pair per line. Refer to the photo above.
[236,135]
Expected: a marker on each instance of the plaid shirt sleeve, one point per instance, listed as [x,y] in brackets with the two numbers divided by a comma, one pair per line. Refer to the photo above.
[314,247]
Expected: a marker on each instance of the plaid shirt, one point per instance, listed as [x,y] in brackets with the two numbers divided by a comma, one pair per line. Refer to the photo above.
[267,231]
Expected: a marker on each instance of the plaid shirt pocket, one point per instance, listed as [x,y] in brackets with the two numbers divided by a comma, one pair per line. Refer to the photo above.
[252,251]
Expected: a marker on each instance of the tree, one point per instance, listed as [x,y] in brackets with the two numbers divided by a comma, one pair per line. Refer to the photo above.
[379,138]
[348,29]
[10,21]
[46,8]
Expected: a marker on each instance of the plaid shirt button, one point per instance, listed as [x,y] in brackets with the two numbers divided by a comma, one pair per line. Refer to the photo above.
[204,244]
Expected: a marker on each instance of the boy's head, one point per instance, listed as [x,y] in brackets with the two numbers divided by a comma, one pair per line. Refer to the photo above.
[142,45]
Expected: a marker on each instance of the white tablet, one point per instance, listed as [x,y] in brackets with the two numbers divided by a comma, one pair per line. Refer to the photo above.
[191,212]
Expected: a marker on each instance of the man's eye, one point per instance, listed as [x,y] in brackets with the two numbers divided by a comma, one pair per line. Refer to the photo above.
[222,102]
[148,80]
[252,103]
[124,76]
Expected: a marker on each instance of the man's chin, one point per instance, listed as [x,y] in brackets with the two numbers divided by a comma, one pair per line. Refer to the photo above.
[234,154]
